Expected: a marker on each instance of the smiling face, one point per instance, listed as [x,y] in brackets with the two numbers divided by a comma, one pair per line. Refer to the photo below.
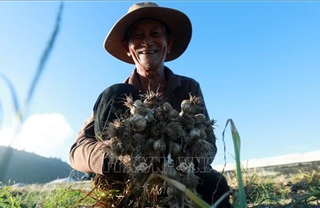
[147,44]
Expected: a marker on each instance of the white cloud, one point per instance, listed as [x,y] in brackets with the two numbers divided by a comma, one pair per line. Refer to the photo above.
[42,134]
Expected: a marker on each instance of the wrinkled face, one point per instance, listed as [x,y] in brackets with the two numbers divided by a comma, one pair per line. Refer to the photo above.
[148,44]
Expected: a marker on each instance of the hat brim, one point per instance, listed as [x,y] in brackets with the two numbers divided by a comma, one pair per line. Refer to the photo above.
[177,22]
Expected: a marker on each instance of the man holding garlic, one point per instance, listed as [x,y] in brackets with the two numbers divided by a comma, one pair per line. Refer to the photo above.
[147,36]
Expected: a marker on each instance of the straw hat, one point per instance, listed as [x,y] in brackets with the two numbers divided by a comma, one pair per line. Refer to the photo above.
[178,23]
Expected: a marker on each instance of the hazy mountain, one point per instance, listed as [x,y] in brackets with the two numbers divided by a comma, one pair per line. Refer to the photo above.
[20,166]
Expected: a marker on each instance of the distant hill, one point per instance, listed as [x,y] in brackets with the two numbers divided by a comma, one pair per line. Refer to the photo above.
[18,166]
[282,160]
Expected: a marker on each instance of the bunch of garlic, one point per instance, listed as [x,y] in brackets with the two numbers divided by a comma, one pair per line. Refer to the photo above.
[153,129]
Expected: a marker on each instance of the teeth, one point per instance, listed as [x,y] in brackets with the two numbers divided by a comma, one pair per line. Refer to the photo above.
[147,52]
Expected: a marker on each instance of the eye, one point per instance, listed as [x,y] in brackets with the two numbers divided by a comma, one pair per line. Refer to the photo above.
[155,34]
[137,35]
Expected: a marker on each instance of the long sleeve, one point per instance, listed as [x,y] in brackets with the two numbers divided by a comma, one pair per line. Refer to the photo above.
[86,153]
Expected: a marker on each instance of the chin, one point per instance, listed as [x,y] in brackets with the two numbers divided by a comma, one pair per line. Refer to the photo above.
[149,67]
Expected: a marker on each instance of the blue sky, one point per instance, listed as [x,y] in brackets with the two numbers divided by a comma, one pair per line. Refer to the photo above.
[257,63]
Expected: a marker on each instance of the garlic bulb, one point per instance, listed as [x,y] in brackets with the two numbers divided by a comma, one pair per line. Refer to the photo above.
[190,106]
[159,145]
[138,123]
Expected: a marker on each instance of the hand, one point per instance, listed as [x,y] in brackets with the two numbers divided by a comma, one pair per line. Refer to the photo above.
[125,159]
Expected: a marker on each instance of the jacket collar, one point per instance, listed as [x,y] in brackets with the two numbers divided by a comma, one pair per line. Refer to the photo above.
[172,80]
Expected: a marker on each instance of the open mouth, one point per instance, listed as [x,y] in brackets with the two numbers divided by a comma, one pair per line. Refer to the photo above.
[148,52]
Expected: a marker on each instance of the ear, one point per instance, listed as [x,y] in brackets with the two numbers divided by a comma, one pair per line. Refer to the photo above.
[125,45]
[170,41]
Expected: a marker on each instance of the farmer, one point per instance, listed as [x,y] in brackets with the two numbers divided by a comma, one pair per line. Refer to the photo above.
[147,36]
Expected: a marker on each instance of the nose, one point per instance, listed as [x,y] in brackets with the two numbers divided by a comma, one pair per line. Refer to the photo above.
[147,41]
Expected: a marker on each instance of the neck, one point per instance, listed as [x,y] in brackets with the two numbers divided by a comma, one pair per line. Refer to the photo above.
[152,80]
